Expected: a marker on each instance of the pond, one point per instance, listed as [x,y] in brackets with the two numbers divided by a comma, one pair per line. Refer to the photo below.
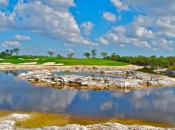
[153,104]
[86,74]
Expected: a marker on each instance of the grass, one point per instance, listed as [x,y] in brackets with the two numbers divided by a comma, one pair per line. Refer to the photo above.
[147,70]
[65,61]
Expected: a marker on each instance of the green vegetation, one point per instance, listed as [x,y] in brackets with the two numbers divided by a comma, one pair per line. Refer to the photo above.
[104,54]
[151,61]
[70,55]
[51,53]
[94,53]
[112,60]
[147,70]
[66,61]
[7,52]
[87,54]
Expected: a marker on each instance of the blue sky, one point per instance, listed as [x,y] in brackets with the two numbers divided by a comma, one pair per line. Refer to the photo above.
[123,27]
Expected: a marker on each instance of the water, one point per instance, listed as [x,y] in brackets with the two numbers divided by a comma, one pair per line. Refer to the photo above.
[154,104]
[86,74]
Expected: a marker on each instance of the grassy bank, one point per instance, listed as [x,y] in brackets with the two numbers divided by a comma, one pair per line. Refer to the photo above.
[65,61]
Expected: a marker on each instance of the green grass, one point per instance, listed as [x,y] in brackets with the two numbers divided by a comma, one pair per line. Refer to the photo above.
[147,70]
[65,61]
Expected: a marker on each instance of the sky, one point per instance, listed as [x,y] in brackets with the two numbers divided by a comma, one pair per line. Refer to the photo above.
[124,27]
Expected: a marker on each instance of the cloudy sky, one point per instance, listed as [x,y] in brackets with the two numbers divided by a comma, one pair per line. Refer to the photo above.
[126,27]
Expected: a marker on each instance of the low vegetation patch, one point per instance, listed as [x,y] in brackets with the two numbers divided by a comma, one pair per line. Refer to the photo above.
[147,70]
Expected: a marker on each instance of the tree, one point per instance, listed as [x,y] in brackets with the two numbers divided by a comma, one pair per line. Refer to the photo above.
[11,52]
[60,56]
[70,55]
[7,51]
[51,53]
[87,54]
[104,54]
[115,57]
[16,50]
[94,53]
[3,55]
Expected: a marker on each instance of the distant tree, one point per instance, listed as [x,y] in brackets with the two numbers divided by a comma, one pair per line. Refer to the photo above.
[3,54]
[115,57]
[51,53]
[11,52]
[70,55]
[16,50]
[60,56]
[7,51]
[104,54]
[87,54]
[94,53]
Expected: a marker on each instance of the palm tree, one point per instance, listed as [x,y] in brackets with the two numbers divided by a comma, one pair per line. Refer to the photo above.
[16,50]
[11,52]
[87,54]
[94,53]
[7,51]
[51,53]
[70,55]
[104,54]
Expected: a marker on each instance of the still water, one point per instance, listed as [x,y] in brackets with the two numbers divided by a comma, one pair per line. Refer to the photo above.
[85,74]
[154,104]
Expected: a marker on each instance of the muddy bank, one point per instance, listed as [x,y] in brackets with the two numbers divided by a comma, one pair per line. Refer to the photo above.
[130,80]
[12,121]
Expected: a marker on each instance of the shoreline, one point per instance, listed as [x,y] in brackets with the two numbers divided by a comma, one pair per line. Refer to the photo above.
[36,121]
[61,67]
[129,80]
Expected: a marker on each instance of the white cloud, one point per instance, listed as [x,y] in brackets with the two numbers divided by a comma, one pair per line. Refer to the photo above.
[21,38]
[119,5]
[86,28]
[10,43]
[3,2]
[69,50]
[143,32]
[103,41]
[109,16]
[59,4]
[153,7]
[42,17]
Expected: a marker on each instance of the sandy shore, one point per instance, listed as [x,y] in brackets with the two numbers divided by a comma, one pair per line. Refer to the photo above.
[58,67]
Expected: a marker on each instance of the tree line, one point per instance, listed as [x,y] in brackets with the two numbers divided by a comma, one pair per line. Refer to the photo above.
[8,52]
[152,61]
[91,54]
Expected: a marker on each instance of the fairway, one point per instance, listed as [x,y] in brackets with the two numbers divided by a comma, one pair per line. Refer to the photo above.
[65,61]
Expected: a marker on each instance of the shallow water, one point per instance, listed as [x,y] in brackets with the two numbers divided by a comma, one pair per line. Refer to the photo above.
[154,104]
[86,74]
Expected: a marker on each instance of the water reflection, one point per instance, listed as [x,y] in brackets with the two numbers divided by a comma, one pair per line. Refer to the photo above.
[13,72]
[86,74]
[155,104]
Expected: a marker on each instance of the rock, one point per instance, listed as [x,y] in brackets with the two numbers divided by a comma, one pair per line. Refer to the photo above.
[18,116]
[7,125]
[133,79]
